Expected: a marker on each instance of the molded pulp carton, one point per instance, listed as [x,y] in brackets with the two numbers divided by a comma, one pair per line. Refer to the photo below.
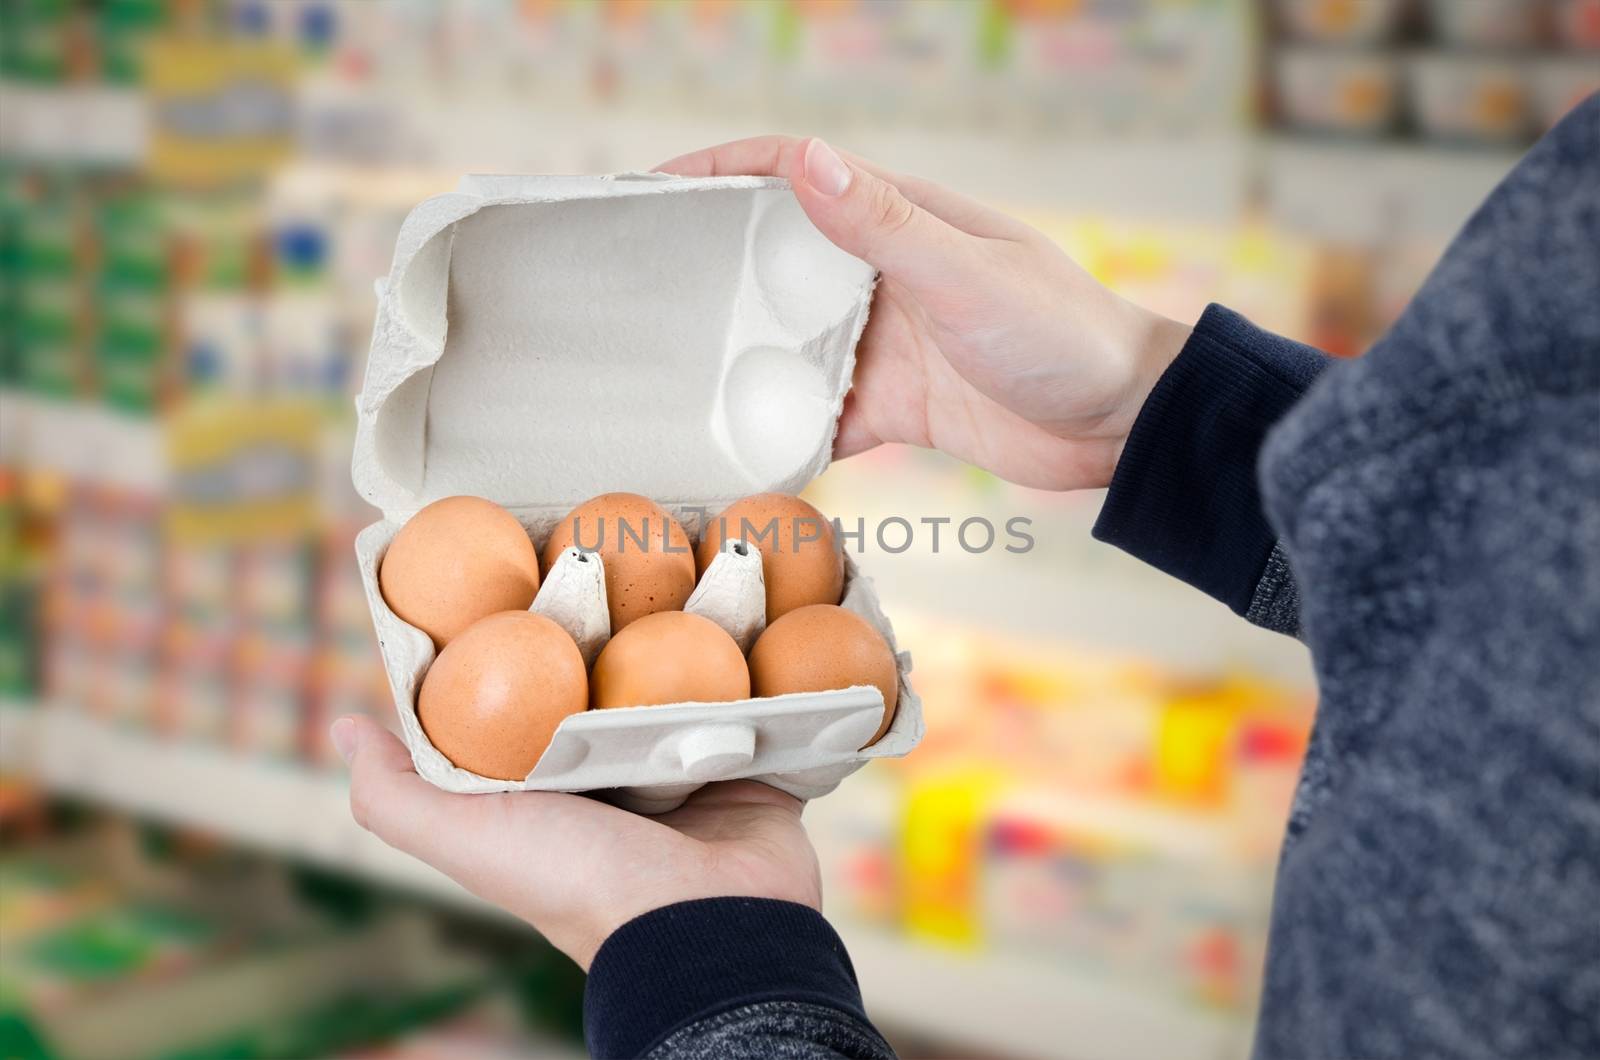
[540,340]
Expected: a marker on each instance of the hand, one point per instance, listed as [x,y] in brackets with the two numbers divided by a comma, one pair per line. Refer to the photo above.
[985,340]
[574,868]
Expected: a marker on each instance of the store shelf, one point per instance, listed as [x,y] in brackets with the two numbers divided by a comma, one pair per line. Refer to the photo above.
[1122,175]
[1028,1008]
[96,125]
[17,737]
[302,813]
[1374,193]
[83,441]
[1163,620]
[276,806]
[1066,588]
[1347,190]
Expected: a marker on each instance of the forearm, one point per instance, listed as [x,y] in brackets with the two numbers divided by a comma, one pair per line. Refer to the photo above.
[1184,496]
[727,977]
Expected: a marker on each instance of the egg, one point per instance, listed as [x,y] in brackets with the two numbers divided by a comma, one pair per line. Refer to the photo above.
[669,657]
[801,561]
[648,561]
[492,700]
[456,561]
[823,647]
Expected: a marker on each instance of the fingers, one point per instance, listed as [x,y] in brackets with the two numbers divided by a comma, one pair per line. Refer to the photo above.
[853,435]
[461,835]
[758,156]
[727,793]
[869,217]
[772,156]
[546,857]
[387,797]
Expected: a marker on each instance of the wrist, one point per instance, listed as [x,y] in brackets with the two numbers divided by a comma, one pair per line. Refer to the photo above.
[693,960]
[1148,343]
[587,934]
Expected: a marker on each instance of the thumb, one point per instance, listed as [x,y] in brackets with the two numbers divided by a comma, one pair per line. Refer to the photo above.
[865,215]
[387,797]
[853,435]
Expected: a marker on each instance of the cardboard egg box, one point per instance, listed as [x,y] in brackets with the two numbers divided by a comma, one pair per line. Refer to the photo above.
[541,340]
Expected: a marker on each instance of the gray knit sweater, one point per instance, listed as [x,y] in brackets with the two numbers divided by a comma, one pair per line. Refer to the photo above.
[1439,503]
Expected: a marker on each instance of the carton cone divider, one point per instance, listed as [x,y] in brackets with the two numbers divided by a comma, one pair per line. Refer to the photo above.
[573,596]
[733,594]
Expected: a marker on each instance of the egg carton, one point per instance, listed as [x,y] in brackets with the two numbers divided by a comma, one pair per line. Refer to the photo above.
[540,340]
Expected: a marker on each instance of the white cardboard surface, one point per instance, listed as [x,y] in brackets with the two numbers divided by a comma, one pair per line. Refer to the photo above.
[733,594]
[540,340]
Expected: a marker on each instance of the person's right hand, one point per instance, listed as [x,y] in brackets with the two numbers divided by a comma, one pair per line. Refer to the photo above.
[985,340]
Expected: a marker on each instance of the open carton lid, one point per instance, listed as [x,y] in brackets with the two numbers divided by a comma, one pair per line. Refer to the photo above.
[542,339]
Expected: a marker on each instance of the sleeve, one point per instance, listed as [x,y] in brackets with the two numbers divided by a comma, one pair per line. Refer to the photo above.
[727,978]
[1184,496]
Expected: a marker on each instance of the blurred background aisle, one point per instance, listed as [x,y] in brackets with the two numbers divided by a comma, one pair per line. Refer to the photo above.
[195,200]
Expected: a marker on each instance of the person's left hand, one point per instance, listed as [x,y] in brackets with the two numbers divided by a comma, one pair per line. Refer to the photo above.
[575,868]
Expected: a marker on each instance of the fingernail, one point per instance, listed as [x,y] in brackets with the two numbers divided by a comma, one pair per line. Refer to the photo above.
[343,735]
[825,170]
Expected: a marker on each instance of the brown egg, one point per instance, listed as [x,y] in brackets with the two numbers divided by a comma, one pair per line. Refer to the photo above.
[800,557]
[454,562]
[493,698]
[649,563]
[823,647]
[669,657]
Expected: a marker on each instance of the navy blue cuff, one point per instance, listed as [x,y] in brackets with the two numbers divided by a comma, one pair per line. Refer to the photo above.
[1184,496]
[686,962]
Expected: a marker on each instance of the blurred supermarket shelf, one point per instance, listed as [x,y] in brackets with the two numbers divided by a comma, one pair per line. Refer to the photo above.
[1079,174]
[302,813]
[1156,618]
[1330,187]
[96,125]
[1346,189]
[18,736]
[281,807]
[1066,588]
[1374,193]
[1021,1005]
[86,124]
[1113,601]
[82,440]
[293,809]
